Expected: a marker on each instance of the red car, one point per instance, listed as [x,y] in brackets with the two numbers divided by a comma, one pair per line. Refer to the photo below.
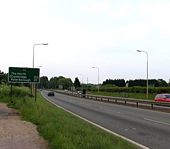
[162,98]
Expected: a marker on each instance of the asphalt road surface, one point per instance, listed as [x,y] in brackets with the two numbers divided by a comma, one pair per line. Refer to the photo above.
[147,127]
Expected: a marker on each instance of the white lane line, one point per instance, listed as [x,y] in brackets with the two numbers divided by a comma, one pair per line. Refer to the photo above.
[105,129]
[133,128]
[159,122]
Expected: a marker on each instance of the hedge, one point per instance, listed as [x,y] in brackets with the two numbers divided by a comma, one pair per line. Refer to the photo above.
[135,89]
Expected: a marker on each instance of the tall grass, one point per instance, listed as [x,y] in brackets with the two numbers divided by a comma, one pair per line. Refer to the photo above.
[5,92]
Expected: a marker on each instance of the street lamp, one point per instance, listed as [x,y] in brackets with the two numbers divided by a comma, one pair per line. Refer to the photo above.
[33,85]
[98,76]
[146,71]
[34,48]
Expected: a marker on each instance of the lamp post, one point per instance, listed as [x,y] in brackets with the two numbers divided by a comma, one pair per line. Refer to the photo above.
[34,50]
[97,75]
[146,71]
[33,85]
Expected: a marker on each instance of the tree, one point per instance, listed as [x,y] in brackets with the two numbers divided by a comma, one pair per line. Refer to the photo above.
[44,82]
[3,77]
[53,83]
[116,82]
[151,82]
[77,83]
[162,83]
[65,82]
[136,82]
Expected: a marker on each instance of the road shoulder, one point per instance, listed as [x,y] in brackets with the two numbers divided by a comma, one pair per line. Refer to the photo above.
[16,133]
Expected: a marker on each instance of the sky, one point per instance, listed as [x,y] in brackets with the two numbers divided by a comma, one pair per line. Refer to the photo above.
[82,34]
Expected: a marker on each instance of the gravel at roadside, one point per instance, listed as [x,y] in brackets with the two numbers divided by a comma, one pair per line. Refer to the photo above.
[18,134]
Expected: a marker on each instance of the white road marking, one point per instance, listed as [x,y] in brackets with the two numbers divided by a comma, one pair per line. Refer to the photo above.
[125,129]
[159,122]
[105,129]
[133,128]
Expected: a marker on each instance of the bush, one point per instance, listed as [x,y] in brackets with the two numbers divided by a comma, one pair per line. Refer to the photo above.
[4,91]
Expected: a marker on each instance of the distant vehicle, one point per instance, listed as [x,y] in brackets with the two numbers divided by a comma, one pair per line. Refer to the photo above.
[162,98]
[51,94]
[79,92]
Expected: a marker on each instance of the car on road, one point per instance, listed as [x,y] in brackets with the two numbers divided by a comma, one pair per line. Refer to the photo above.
[162,98]
[79,92]
[51,94]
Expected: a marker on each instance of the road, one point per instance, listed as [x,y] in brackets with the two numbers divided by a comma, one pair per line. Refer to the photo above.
[147,127]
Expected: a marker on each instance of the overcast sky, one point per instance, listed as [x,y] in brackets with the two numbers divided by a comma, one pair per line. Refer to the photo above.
[86,33]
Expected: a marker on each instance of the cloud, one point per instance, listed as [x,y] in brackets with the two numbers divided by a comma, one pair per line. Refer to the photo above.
[121,12]
[109,8]
[97,7]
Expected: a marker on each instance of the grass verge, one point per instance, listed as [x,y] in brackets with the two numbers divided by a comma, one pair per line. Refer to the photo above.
[63,130]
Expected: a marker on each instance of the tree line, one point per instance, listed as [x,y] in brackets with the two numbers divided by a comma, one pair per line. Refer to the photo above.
[136,82]
[66,83]
[58,82]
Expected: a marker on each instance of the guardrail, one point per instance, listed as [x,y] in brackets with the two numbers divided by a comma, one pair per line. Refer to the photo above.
[110,99]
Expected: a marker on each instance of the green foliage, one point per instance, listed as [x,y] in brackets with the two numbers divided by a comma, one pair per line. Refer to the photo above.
[43,82]
[16,92]
[137,82]
[4,93]
[65,82]
[55,82]
[3,77]
[116,82]
[162,83]
[151,82]
[77,83]
[20,91]
[134,89]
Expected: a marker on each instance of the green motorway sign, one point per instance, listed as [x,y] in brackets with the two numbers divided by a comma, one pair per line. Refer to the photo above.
[23,75]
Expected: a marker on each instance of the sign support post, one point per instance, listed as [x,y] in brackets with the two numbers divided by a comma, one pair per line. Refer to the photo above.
[11,100]
[35,92]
